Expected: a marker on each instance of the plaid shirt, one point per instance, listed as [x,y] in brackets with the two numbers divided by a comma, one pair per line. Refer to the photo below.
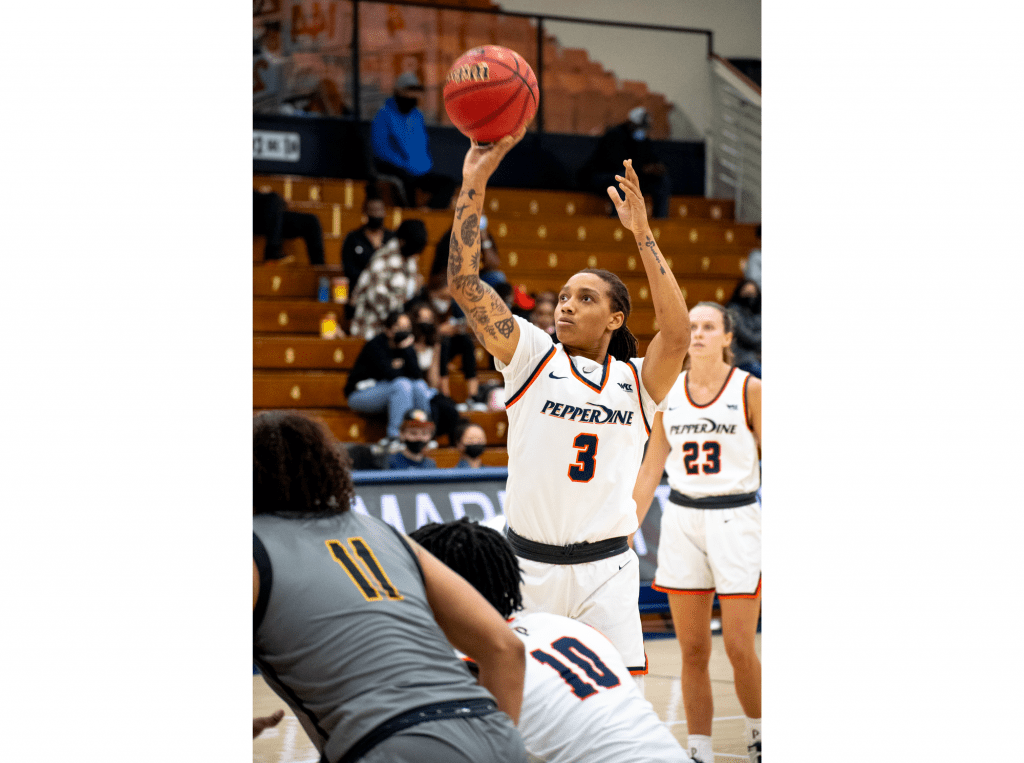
[388,281]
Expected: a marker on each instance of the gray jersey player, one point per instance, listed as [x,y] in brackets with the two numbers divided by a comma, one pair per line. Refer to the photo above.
[352,621]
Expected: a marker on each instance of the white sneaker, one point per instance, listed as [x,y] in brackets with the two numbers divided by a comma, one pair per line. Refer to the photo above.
[754,751]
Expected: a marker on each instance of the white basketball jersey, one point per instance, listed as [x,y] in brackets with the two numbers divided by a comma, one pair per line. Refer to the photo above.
[713,448]
[580,704]
[576,432]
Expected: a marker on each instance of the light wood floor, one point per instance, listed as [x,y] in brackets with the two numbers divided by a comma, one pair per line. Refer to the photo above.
[287,743]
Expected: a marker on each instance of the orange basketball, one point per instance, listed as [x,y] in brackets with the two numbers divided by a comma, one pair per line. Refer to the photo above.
[490,92]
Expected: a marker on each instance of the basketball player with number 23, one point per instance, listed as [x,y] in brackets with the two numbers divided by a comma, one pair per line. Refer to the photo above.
[579,413]
[709,441]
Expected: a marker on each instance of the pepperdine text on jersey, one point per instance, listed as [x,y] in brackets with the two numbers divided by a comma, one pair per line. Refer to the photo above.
[588,415]
[704,426]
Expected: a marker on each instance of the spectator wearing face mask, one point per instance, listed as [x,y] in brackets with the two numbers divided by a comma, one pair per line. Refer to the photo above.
[745,308]
[416,434]
[629,140]
[470,441]
[399,141]
[360,244]
[453,338]
[386,378]
[388,281]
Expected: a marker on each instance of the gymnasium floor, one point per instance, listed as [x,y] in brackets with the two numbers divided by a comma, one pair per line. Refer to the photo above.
[287,743]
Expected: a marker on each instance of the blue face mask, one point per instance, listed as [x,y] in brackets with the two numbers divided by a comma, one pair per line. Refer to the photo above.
[639,134]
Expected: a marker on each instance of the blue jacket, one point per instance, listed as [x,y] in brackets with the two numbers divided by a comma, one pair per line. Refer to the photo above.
[399,461]
[401,139]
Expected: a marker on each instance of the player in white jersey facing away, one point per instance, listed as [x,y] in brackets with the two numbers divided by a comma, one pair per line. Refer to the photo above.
[579,414]
[579,702]
[709,441]
[353,623]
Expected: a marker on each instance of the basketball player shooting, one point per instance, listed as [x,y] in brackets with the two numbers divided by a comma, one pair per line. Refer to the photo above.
[579,413]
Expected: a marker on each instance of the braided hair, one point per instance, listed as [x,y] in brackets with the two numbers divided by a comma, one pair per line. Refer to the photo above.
[479,554]
[623,345]
[297,467]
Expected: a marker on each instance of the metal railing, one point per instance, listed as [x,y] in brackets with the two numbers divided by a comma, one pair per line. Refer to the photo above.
[734,145]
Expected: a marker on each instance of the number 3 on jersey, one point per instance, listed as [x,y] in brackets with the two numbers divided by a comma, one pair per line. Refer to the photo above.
[583,469]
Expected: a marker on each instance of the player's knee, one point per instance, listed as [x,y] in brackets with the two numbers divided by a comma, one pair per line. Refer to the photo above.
[740,650]
[695,652]
[402,386]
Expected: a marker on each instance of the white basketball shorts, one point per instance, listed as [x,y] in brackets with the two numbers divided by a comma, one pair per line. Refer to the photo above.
[602,594]
[705,550]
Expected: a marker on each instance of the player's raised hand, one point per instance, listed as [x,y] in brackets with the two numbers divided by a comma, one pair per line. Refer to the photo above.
[482,160]
[632,210]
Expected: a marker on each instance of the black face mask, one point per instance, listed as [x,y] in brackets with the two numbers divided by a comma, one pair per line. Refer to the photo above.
[415,446]
[401,336]
[405,104]
[751,303]
[474,451]
[374,223]
[425,331]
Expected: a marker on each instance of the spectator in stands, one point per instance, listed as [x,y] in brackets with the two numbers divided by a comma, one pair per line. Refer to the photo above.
[271,218]
[416,434]
[427,340]
[386,378]
[361,243]
[490,263]
[452,336]
[628,141]
[745,308]
[398,138]
[543,313]
[388,281]
[470,440]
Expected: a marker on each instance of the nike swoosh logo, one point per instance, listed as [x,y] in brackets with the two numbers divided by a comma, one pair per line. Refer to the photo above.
[552,375]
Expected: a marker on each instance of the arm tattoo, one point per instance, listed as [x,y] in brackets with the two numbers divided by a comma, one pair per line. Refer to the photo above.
[649,243]
[470,229]
[505,327]
[460,210]
[454,255]
[471,192]
[470,285]
[474,260]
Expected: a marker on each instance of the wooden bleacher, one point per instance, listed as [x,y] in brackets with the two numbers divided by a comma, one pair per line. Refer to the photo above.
[543,237]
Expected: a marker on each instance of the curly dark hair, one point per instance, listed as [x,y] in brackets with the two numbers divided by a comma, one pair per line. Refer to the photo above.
[297,467]
[481,555]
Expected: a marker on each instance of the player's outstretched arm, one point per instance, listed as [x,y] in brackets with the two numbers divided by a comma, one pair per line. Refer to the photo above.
[651,469]
[664,358]
[475,628]
[486,313]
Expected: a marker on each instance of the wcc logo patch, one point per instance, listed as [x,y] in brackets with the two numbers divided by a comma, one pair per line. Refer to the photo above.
[627,387]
